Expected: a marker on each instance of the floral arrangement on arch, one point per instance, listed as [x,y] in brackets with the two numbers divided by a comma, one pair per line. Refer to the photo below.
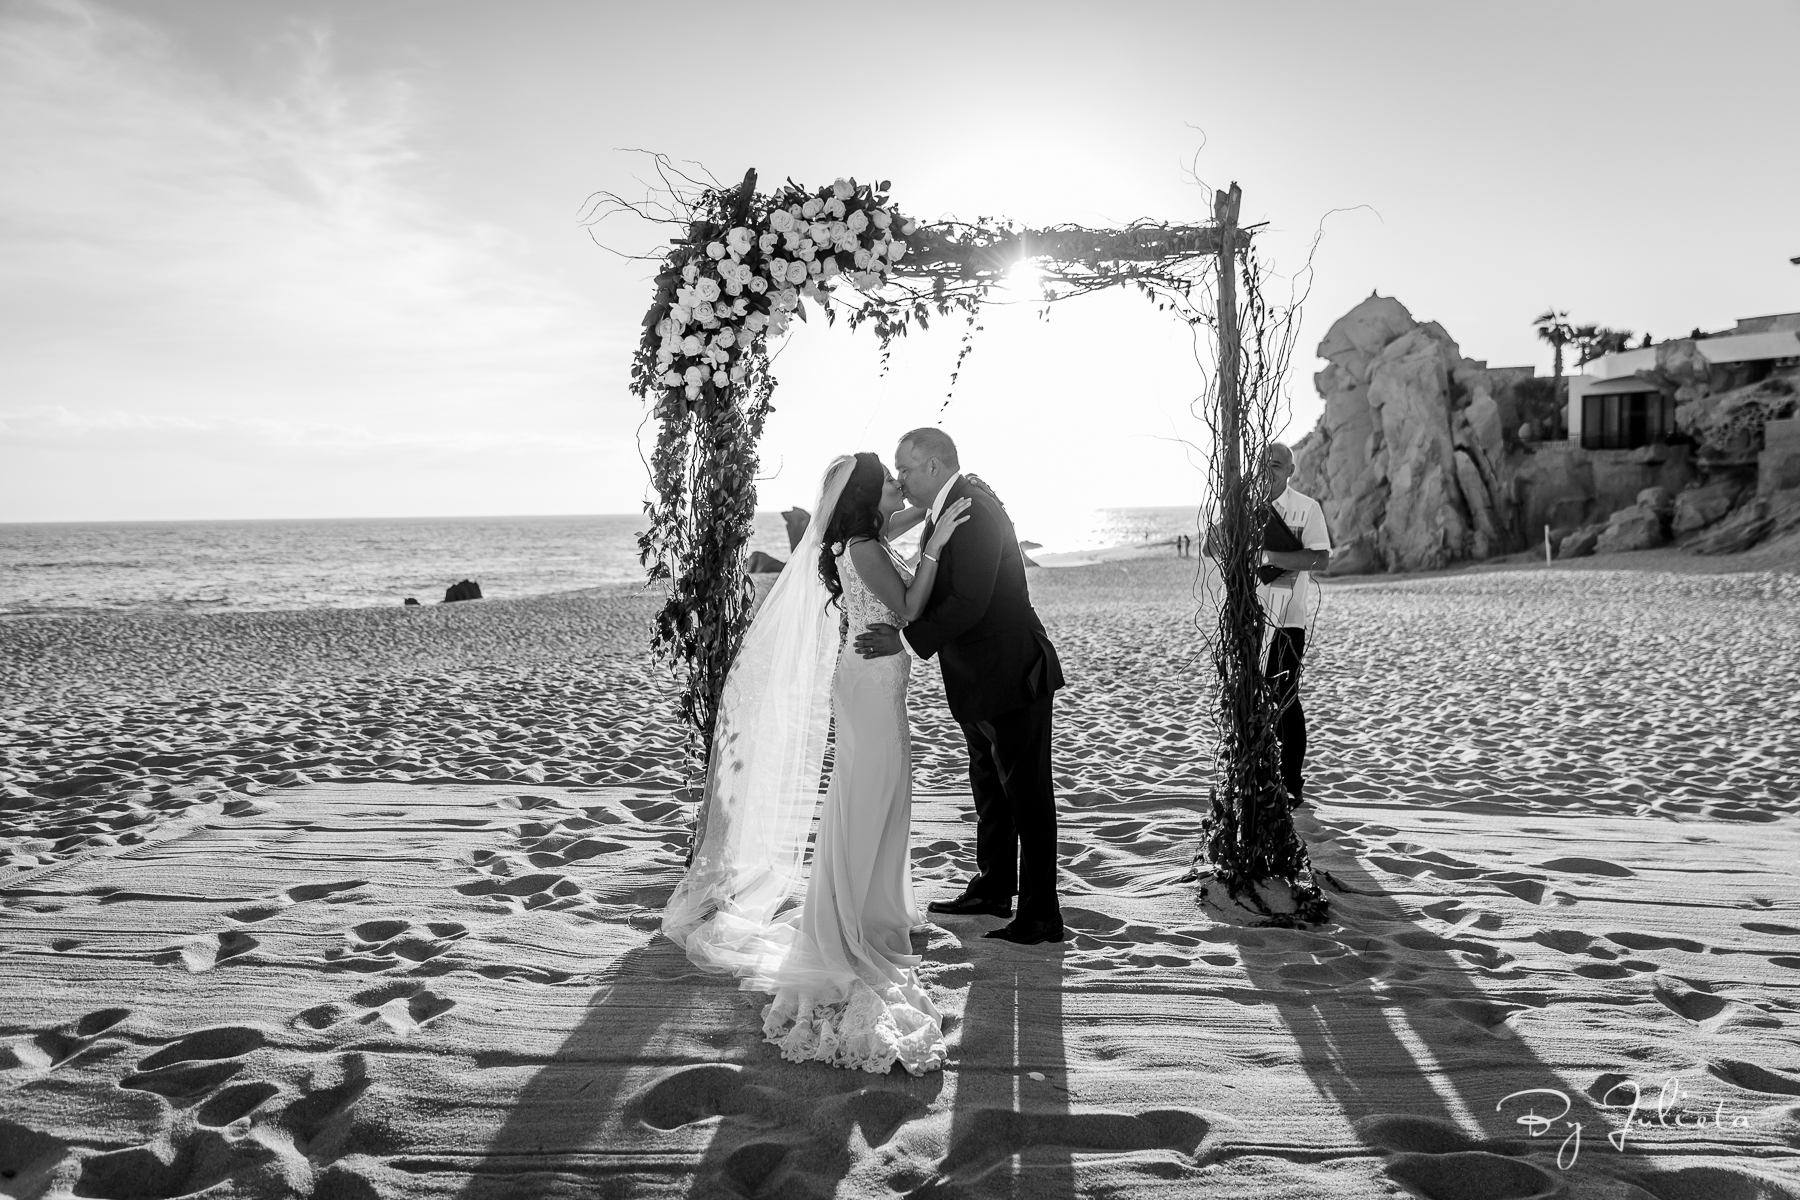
[718,298]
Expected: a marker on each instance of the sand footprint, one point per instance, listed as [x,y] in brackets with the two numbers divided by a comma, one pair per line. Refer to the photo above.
[186,1164]
[322,891]
[537,890]
[191,1067]
[383,944]
[696,1094]
[52,1048]
[403,1007]
[990,1137]
[208,951]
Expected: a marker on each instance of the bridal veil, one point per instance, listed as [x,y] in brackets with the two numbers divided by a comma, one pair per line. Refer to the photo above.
[762,782]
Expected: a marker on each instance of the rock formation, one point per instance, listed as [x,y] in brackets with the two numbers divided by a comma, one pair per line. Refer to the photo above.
[763,564]
[468,589]
[797,520]
[1409,457]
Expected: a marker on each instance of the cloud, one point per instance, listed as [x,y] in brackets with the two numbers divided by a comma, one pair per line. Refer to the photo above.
[177,244]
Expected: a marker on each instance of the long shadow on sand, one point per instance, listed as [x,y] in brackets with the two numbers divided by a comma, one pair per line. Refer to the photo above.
[1011,1131]
[667,1089]
[1405,1029]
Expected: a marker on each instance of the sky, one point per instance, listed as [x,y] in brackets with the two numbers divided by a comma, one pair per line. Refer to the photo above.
[324,259]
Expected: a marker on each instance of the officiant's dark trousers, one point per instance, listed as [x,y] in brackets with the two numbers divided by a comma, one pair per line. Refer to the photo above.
[1286,650]
[1015,811]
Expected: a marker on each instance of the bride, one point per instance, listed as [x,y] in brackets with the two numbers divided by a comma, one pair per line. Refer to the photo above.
[840,966]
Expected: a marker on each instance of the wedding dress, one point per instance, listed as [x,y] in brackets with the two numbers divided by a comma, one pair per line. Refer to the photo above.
[840,966]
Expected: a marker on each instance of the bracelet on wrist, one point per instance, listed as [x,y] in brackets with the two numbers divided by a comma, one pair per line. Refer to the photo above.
[929,557]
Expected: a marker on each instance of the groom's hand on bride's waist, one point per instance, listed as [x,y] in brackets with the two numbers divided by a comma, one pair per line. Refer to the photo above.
[878,641]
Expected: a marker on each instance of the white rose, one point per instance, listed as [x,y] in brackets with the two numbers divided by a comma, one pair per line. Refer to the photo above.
[671,379]
[792,241]
[720,379]
[740,306]
[664,328]
[693,391]
[847,242]
[896,250]
[703,312]
[819,231]
[740,240]
[831,268]
[681,314]
[693,376]
[876,250]
[842,189]
[786,298]
[711,322]
[861,258]
[725,338]
[835,208]
[866,280]
[781,221]
[756,322]
[665,359]
[836,230]
[738,373]
[733,287]
[812,208]
[815,267]
[759,285]
[690,345]
[857,221]
[778,323]
[768,241]
[807,252]
[882,219]
[690,273]
[906,230]
[812,291]
[715,250]
[706,289]
[685,297]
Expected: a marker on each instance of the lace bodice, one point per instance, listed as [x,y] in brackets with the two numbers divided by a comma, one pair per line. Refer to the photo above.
[862,607]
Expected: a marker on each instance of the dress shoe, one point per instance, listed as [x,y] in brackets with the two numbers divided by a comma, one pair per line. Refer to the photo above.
[971,906]
[1027,933]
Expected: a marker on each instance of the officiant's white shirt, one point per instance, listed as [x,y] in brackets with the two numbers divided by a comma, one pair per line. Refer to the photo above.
[1293,600]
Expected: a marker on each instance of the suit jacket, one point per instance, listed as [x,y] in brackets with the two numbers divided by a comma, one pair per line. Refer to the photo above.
[979,621]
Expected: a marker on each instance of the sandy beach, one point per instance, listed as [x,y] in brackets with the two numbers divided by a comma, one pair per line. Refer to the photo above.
[362,903]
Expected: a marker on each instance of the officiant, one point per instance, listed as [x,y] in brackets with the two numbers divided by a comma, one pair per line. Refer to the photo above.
[1296,544]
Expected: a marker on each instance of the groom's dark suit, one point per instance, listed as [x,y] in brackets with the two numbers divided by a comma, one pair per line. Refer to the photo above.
[1000,671]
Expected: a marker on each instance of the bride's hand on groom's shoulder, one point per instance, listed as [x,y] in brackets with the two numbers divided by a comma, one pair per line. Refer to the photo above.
[878,641]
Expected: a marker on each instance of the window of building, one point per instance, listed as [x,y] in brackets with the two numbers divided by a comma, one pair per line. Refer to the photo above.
[1626,420]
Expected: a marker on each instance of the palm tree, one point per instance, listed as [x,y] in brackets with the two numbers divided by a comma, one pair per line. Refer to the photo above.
[1554,327]
[1591,341]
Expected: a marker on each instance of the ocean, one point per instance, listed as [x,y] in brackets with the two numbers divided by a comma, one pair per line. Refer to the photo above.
[215,566]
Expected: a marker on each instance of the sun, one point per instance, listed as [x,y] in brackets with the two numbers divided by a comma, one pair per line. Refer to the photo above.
[1025,280]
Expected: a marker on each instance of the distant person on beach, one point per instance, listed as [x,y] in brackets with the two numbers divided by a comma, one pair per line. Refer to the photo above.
[840,967]
[1296,544]
[1000,674]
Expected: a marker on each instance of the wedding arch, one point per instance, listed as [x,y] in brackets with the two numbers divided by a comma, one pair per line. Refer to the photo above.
[742,264]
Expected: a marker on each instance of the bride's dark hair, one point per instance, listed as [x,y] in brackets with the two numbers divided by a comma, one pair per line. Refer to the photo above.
[857,515]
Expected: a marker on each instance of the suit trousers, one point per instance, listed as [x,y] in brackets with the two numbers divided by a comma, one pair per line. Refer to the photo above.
[1287,649]
[1015,810]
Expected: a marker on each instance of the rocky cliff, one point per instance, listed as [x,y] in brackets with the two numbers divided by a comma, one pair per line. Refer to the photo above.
[1409,458]
[1421,459]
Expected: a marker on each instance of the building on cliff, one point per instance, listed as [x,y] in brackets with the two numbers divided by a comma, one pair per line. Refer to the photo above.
[1423,458]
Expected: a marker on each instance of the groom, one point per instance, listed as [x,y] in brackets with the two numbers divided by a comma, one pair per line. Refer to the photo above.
[1000,671]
